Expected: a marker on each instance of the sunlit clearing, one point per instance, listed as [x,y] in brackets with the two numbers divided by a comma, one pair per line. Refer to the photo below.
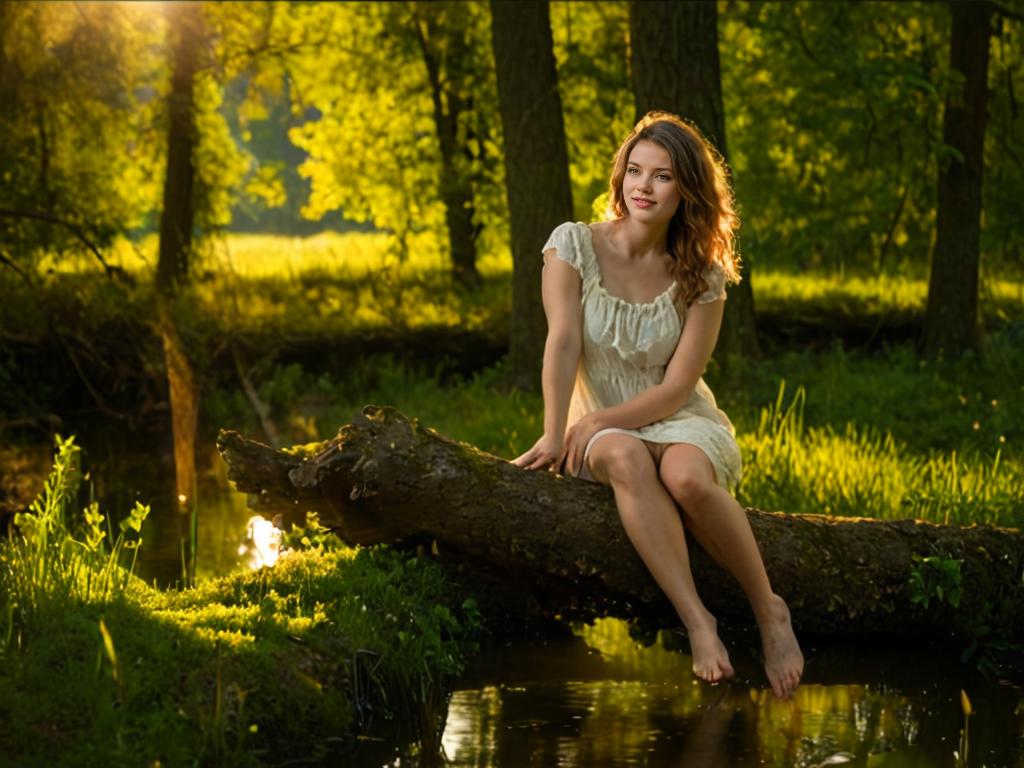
[262,543]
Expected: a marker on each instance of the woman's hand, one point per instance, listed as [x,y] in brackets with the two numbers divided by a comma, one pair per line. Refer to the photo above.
[577,437]
[547,453]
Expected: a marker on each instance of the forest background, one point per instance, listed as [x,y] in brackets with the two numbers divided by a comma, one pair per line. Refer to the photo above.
[265,214]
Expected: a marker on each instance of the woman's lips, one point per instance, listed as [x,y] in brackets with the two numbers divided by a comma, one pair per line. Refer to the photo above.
[639,202]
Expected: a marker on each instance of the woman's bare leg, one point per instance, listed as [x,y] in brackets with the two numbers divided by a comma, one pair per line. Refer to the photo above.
[652,522]
[721,526]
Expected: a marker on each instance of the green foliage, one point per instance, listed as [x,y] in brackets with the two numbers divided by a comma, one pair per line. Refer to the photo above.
[935,577]
[251,669]
[833,115]
[311,536]
[592,55]
[371,86]
[54,556]
[75,139]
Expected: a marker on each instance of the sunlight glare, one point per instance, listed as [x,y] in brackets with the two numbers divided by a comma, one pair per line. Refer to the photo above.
[263,543]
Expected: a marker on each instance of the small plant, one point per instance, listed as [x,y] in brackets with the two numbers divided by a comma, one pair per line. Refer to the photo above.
[935,577]
[49,557]
[312,535]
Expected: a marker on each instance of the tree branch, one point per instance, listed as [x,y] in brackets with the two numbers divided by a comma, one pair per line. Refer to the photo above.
[1003,11]
[13,213]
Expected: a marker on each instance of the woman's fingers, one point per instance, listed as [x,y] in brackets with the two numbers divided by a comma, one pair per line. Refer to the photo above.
[526,459]
[521,459]
[532,459]
[540,457]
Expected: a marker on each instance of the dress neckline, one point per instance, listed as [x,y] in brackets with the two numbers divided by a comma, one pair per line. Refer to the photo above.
[618,299]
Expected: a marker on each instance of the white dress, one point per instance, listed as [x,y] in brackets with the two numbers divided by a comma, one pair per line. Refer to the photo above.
[626,348]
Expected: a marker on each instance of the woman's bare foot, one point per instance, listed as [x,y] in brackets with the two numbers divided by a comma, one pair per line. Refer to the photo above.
[783,660]
[710,659]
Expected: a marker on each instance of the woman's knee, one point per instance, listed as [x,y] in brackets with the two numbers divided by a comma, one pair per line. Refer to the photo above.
[689,485]
[623,461]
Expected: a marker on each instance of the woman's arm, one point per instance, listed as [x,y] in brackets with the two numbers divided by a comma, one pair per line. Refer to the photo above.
[561,290]
[693,351]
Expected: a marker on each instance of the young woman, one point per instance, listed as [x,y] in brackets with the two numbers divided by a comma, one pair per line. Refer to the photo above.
[634,305]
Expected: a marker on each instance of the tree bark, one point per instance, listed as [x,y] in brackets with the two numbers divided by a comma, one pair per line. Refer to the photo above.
[536,167]
[951,321]
[178,215]
[176,223]
[556,546]
[675,64]
[447,84]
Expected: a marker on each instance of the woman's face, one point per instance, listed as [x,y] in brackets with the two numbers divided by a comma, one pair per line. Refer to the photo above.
[649,185]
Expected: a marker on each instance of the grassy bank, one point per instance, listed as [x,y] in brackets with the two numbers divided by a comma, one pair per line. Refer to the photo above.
[252,669]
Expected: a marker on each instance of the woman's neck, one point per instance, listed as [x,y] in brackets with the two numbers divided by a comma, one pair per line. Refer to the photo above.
[636,240]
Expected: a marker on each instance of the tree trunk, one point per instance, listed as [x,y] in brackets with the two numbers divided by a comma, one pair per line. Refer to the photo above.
[536,167]
[176,223]
[177,218]
[951,321]
[555,545]
[446,86]
[674,58]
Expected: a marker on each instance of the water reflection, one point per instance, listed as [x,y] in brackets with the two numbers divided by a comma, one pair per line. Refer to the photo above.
[602,700]
[262,543]
[119,477]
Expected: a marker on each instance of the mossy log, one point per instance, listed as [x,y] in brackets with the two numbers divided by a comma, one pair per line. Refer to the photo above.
[554,545]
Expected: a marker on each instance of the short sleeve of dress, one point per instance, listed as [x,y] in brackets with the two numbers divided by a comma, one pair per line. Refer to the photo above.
[714,276]
[565,239]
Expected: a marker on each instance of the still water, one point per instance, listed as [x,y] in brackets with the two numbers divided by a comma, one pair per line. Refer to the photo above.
[596,697]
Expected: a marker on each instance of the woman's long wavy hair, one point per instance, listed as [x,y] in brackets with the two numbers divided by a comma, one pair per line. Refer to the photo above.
[703,229]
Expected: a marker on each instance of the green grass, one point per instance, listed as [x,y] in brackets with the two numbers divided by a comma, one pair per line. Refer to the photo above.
[331,285]
[858,471]
[251,669]
[885,436]
[326,285]
[887,296]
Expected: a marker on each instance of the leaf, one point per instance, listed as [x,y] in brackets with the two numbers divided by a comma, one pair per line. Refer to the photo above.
[108,646]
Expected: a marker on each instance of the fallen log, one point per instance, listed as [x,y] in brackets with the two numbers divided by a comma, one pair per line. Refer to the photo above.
[555,545]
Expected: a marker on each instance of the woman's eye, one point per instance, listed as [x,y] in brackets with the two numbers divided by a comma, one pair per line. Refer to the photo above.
[632,170]
[664,177]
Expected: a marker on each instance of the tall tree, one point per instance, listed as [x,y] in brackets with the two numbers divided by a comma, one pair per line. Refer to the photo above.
[443,35]
[536,166]
[674,57]
[176,223]
[951,320]
[405,88]
[177,217]
[73,117]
